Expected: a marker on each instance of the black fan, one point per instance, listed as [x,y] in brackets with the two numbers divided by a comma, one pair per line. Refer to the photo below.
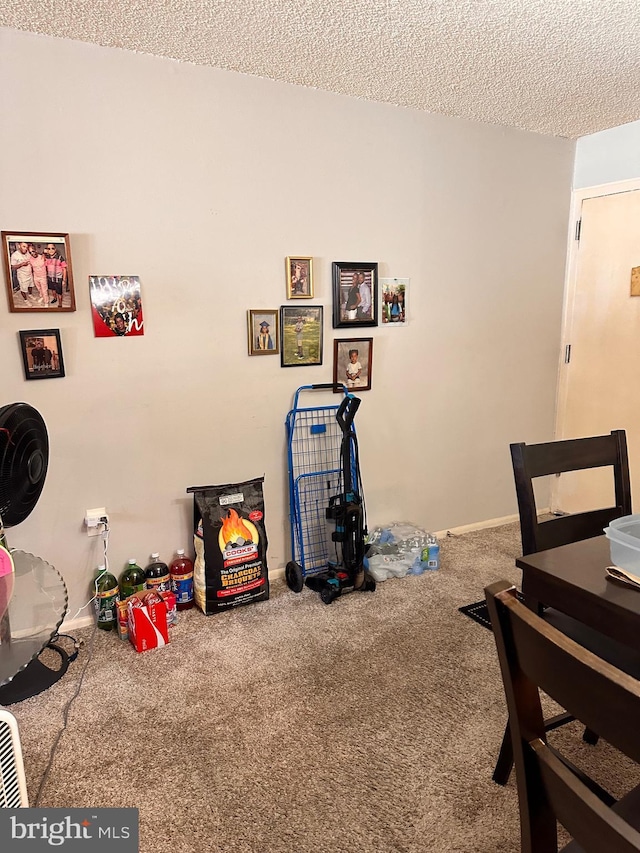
[24,458]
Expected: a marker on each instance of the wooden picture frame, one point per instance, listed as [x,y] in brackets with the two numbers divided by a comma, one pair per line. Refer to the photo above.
[355,294]
[41,354]
[352,364]
[302,332]
[263,331]
[299,270]
[38,271]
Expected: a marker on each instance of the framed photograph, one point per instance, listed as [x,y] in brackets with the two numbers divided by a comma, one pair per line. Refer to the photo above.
[301,335]
[116,306]
[263,332]
[299,277]
[393,300]
[38,272]
[352,360]
[355,294]
[42,354]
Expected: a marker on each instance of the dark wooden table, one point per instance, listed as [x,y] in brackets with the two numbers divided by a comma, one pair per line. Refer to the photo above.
[572,578]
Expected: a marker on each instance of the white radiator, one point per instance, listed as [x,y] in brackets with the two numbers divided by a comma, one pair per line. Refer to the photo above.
[13,785]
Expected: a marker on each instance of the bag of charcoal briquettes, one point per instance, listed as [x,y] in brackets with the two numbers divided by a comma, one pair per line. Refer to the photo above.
[230,542]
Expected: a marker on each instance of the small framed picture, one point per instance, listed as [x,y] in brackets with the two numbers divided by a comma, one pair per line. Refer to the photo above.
[116,306]
[301,335]
[263,332]
[299,277]
[355,294]
[42,354]
[393,300]
[38,271]
[352,361]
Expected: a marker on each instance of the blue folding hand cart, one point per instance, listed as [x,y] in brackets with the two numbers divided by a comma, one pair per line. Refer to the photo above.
[326,506]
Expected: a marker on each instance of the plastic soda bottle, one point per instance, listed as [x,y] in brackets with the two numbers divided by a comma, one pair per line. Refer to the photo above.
[157,575]
[131,580]
[181,570]
[106,591]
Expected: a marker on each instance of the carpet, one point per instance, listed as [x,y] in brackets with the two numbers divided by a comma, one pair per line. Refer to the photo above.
[289,726]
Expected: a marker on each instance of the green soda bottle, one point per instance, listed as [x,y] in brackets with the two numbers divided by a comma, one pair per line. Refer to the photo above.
[131,580]
[106,592]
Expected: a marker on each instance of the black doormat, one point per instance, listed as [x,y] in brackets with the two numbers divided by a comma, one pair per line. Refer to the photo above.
[479,611]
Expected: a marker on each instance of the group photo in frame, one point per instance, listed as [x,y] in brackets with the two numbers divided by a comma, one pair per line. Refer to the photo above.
[42,354]
[116,306]
[393,300]
[355,294]
[352,363]
[299,277]
[301,335]
[38,271]
[263,331]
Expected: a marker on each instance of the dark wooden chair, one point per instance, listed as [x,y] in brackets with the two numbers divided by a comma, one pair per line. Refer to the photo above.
[531,461]
[536,656]
[559,457]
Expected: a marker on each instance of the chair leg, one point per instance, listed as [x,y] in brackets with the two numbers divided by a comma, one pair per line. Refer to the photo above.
[504,763]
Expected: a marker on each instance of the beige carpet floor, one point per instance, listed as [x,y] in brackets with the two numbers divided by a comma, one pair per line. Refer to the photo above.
[290,726]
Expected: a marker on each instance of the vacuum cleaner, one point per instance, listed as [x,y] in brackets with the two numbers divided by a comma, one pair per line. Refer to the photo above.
[347,511]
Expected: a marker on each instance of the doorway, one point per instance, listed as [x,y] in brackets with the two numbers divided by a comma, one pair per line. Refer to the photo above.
[599,381]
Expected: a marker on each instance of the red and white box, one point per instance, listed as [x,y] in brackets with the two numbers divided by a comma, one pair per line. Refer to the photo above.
[147,623]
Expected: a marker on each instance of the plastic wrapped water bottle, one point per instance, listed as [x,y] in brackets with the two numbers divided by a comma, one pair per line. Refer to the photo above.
[431,554]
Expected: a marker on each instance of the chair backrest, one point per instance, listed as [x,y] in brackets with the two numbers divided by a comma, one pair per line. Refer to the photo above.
[558,457]
[534,655]
[13,787]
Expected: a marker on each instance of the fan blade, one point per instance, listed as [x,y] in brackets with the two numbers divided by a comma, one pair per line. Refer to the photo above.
[24,459]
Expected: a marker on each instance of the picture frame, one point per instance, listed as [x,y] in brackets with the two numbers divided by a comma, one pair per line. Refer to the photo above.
[393,301]
[38,271]
[302,333]
[355,294]
[116,306]
[299,271]
[263,331]
[41,354]
[352,371]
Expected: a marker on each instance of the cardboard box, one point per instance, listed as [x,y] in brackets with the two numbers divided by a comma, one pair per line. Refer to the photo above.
[147,624]
[172,611]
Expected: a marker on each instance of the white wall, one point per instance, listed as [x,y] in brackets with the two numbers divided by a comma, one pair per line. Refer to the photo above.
[201,182]
[609,156]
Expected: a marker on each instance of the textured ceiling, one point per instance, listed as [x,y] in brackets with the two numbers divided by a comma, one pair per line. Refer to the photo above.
[561,67]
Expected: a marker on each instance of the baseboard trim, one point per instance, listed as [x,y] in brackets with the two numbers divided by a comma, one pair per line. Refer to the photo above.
[76,624]
[478,525]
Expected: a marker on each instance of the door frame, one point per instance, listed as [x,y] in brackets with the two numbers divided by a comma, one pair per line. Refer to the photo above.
[571,277]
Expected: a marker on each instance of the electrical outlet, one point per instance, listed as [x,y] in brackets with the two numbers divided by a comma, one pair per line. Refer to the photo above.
[95,522]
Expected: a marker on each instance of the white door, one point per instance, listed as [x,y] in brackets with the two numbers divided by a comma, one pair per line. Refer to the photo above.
[599,388]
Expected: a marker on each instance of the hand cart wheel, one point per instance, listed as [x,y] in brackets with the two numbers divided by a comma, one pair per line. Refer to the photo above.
[294,576]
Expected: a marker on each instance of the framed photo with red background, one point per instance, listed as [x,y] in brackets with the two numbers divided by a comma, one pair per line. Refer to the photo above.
[116,306]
